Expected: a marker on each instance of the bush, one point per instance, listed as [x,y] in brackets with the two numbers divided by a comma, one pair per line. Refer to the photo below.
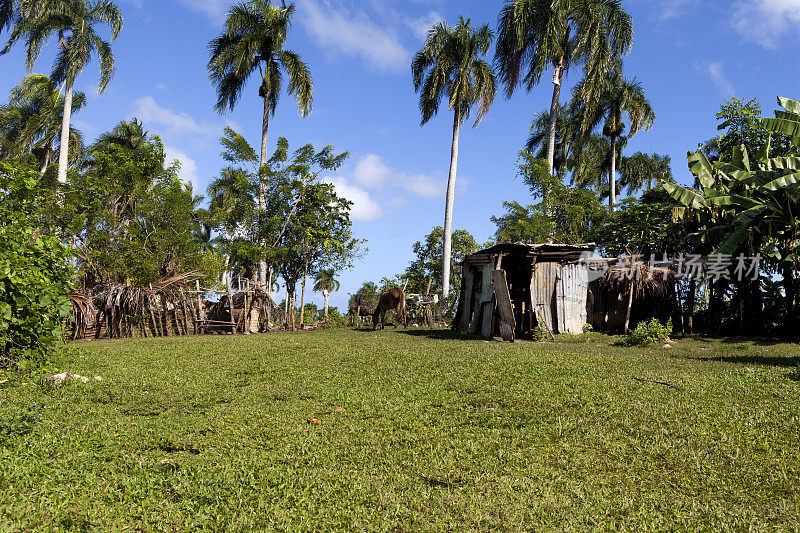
[35,275]
[647,333]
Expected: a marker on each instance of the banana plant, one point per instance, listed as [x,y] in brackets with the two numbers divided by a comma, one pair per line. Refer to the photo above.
[747,194]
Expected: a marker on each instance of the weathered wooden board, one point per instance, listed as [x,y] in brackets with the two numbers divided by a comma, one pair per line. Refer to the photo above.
[504,308]
[488,318]
[465,308]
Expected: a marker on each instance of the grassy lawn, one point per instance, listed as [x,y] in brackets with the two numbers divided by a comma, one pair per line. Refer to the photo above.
[434,432]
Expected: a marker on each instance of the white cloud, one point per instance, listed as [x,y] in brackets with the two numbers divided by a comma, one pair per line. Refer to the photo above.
[424,185]
[213,9]
[371,171]
[173,123]
[354,35]
[766,22]
[188,172]
[715,71]
[364,207]
[421,26]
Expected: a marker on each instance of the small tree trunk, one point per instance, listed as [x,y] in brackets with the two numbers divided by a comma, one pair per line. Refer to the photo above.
[230,303]
[303,296]
[551,139]
[327,295]
[262,186]
[63,156]
[448,211]
[612,176]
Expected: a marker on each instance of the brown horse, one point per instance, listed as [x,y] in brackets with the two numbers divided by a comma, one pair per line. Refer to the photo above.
[391,299]
[359,315]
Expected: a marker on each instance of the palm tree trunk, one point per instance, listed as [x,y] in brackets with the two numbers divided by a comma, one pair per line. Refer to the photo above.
[63,156]
[448,210]
[612,176]
[48,156]
[326,293]
[262,188]
[551,139]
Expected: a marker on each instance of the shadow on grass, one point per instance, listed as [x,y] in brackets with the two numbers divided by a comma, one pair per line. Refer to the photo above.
[441,334]
[784,362]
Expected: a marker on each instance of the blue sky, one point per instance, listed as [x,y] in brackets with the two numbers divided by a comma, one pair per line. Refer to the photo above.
[688,54]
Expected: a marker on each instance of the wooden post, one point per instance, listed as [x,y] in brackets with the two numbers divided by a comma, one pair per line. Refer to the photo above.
[201,313]
[428,290]
[630,304]
[246,310]
[230,302]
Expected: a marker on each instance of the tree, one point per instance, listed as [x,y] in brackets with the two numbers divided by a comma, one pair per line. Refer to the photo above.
[367,295]
[536,35]
[747,204]
[129,215]
[450,64]
[618,97]
[538,142]
[31,121]
[565,214]
[73,21]
[253,39]
[643,170]
[325,282]
[427,267]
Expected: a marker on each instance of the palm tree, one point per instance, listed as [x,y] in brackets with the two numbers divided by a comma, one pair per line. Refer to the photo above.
[450,64]
[538,141]
[73,21]
[33,117]
[326,283]
[536,35]
[619,97]
[6,14]
[254,38]
[641,170]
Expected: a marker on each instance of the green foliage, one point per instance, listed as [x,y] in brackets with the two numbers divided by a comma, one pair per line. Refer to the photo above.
[565,214]
[647,333]
[367,295]
[35,275]
[31,121]
[644,226]
[131,216]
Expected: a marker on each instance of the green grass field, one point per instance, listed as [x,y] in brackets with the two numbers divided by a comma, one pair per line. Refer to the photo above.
[435,432]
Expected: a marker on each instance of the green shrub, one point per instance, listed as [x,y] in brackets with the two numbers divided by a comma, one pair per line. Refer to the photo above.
[35,275]
[646,333]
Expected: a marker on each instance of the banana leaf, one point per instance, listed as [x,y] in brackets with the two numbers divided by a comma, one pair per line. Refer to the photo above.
[685,196]
[743,224]
[785,163]
[783,182]
[702,168]
[792,106]
[787,127]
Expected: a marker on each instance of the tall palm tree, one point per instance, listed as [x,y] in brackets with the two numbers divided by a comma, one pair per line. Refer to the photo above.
[450,64]
[73,21]
[253,40]
[619,97]
[326,283]
[33,118]
[537,35]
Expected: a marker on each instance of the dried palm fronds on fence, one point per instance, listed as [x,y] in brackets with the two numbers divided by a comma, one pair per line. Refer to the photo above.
[170,307]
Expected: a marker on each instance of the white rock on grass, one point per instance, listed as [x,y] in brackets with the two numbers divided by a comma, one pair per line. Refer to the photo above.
[59,379]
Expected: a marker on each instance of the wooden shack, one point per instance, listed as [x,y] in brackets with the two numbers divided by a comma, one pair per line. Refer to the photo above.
[510,289]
